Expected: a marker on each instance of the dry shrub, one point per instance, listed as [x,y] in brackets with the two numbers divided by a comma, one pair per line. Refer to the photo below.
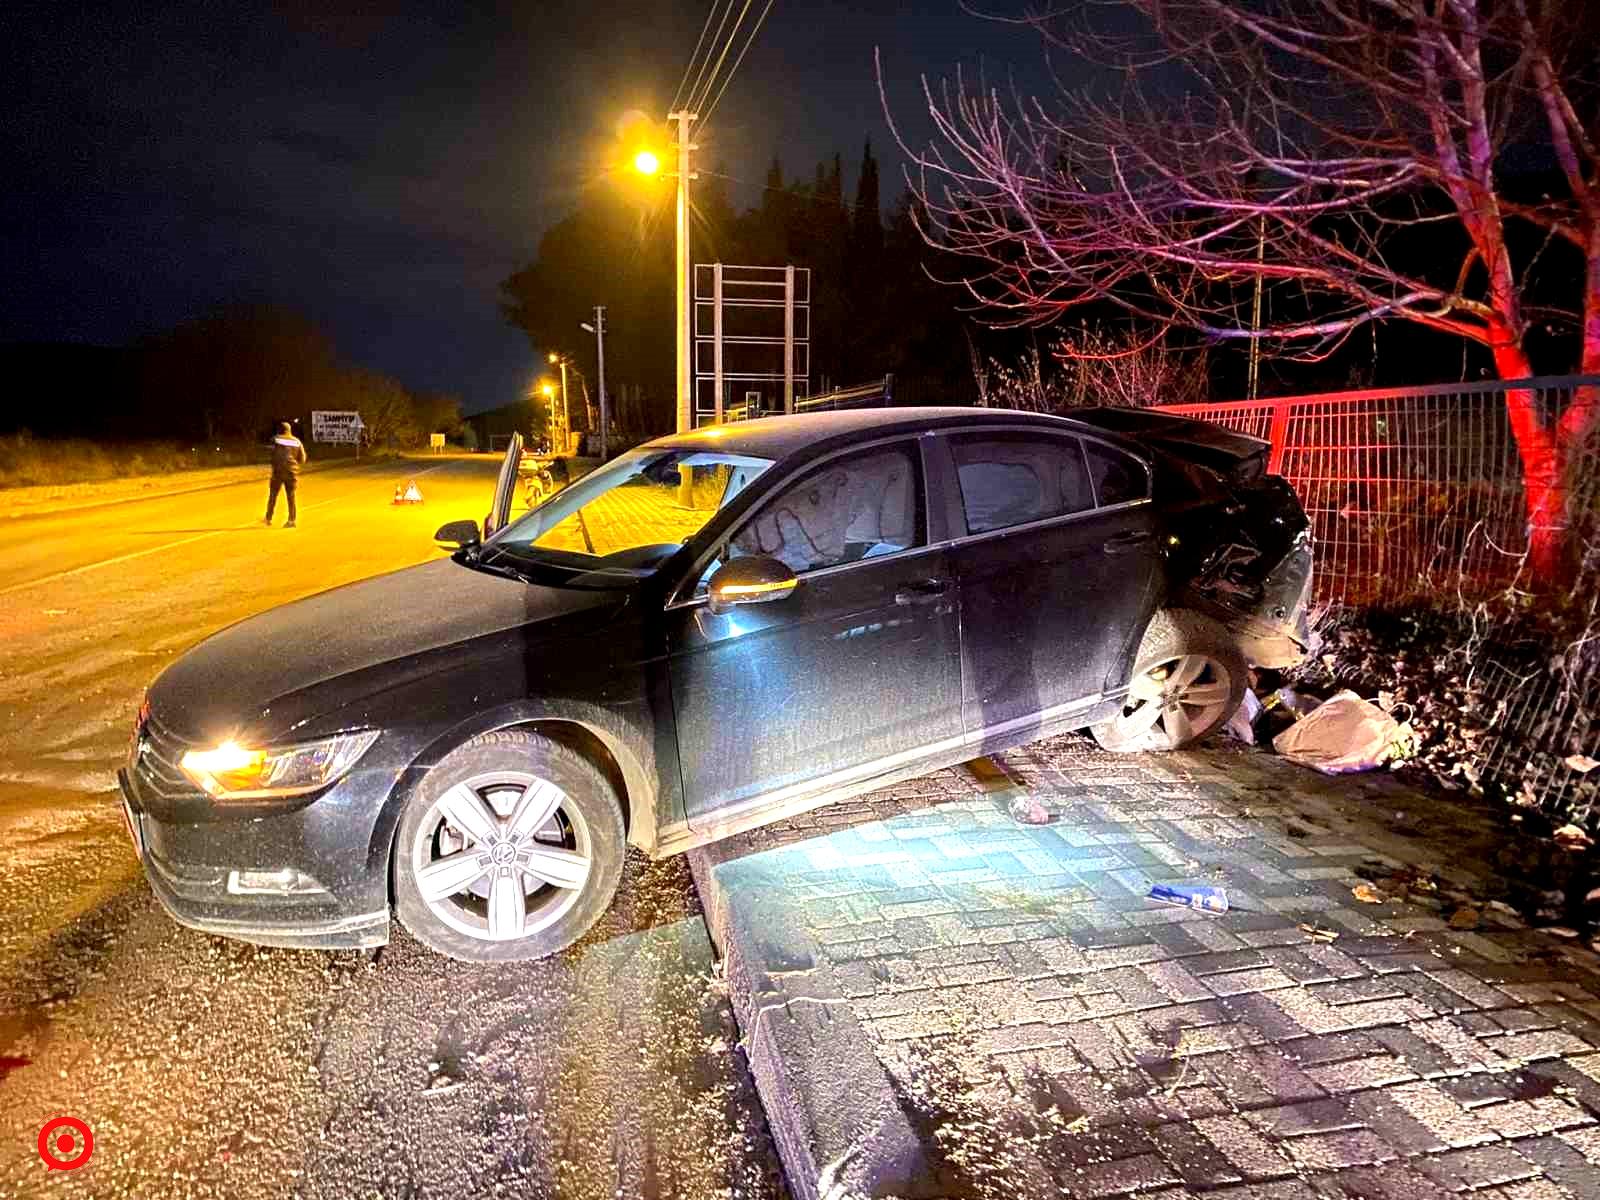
[26,461]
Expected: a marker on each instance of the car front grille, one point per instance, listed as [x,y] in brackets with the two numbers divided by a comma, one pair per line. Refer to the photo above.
[156,754]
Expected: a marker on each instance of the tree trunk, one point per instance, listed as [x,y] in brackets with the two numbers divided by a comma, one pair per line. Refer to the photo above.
[1548,451]
[1543,471]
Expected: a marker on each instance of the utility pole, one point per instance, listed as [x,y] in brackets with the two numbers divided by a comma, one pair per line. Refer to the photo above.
[600,356]
[561,419]
[1255,314]
[683,119]
[566,410]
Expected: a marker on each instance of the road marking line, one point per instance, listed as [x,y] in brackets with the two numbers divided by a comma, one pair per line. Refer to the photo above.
[199,537]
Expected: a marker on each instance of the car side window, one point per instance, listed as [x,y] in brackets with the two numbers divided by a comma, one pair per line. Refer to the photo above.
[857,507]
[1014,479]
[1117,477]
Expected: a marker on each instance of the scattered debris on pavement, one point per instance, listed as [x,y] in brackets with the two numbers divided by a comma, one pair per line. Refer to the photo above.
[1318,933]
[1025,810]
[1341,735]
[1573,837]
[1242,725]
[1198,897]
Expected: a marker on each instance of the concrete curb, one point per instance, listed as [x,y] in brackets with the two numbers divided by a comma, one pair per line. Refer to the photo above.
[832,1108]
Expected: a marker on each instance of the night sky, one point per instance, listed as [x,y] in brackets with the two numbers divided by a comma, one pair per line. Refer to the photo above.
[383,167]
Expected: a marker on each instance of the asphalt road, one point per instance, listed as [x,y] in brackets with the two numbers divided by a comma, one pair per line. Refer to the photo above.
[211,1068]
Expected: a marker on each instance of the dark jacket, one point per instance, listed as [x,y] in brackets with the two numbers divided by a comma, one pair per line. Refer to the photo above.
[287,455]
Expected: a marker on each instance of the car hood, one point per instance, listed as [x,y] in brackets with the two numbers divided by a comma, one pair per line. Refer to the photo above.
[233,678]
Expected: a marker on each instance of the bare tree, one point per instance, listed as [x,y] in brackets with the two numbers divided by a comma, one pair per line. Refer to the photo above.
[1316,143]
[1093,365]
[1131,371]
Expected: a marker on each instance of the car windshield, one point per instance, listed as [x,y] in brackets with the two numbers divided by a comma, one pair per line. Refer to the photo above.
[624,520]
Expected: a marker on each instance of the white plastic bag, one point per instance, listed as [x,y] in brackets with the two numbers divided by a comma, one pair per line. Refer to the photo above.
[1343,734]
[1242,724]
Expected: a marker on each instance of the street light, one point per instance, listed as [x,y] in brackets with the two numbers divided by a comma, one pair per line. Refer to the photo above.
[647,163]
[560,360]
[547,389]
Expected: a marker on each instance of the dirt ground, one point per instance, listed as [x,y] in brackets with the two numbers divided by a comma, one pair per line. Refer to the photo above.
[206,1067]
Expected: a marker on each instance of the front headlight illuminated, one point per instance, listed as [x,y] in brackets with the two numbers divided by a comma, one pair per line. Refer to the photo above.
[235,772]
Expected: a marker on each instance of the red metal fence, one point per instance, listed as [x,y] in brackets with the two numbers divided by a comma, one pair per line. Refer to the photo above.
[1409,490]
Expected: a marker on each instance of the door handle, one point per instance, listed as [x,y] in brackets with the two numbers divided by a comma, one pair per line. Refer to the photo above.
[1123,543]
[921,591]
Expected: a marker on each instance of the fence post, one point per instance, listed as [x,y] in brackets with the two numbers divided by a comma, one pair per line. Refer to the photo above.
[1276,435]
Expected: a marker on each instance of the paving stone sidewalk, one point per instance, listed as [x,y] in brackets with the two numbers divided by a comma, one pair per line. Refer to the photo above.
[938,1001]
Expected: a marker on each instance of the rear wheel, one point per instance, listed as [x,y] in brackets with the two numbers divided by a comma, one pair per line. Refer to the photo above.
[510,848]
[1187,680]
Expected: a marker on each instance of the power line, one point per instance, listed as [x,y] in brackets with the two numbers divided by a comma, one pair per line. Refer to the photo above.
[754,30]
[699,96]
[710,50]
[700,41]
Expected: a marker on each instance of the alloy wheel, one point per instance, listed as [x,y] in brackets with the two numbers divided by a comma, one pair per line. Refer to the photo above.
[502,855]
[1174,701]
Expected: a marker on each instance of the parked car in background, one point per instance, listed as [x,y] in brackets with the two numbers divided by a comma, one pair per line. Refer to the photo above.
[713,631]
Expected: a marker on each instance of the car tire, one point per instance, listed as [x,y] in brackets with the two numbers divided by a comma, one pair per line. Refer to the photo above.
[1188,678]
[482,874]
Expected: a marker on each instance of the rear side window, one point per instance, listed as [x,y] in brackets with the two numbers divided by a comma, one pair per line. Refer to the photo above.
[1014,479]
[1118,478]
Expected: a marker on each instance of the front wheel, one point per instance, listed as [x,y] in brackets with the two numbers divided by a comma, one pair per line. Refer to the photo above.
[510,848]
[1188,679]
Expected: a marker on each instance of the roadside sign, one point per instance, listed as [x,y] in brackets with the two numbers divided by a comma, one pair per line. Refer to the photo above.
[436,440]
[343,427]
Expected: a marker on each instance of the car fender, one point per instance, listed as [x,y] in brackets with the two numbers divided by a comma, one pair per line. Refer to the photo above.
[629,737]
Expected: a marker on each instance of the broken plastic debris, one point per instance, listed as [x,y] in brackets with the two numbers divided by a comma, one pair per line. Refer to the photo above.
[1367,894]
[1343,734]
[1298,703]
[1241,726]
[1200,897]
[1027,810]
[1573,837]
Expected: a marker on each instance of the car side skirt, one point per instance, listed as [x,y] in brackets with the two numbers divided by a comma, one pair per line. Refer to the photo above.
[678,837]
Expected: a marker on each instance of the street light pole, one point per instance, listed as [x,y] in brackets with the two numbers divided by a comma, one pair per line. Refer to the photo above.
[565,422]
[566,411]
[599,331]
[683,119]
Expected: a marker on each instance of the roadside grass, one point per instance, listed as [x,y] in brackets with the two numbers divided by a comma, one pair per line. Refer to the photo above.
[26,461]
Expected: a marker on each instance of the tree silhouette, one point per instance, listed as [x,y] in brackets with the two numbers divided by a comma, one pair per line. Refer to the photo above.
[1315,144]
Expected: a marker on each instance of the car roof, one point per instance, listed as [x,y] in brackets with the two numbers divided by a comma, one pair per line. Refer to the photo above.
[779,437]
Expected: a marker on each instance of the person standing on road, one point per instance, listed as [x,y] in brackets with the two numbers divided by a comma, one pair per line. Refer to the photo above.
[287,455]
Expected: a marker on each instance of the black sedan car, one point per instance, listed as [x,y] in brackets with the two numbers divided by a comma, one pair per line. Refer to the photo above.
[713,631]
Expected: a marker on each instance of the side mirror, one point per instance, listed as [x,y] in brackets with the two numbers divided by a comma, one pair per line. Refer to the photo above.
[462,533]
[754,580]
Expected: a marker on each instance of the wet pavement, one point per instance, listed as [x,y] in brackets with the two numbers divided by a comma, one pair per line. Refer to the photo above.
[212,1068]
[939,1001]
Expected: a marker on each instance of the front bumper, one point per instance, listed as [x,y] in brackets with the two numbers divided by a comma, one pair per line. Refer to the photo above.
[195,893]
